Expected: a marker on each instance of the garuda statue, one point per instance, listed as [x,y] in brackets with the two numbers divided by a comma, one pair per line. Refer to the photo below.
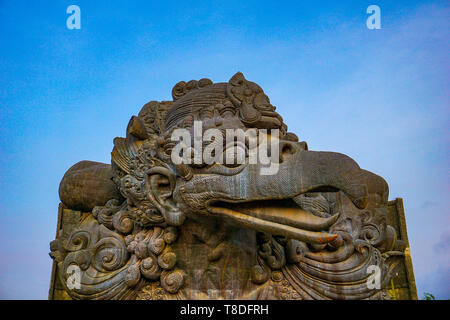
[150,227]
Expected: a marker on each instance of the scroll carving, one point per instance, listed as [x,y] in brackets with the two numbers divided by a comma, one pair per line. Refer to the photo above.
[156,229]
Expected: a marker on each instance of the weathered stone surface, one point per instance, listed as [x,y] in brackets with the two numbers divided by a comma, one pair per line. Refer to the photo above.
[316,228]
[88,184]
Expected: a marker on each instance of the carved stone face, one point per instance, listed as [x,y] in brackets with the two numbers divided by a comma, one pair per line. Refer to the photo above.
[216,189]
[296,210]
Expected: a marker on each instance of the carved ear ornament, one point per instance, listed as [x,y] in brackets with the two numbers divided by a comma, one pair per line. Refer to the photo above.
[160,184]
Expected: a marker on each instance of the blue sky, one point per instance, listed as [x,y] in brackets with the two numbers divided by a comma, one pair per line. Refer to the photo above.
[379,96]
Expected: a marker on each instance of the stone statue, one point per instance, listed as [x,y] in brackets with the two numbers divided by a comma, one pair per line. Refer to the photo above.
[150,228]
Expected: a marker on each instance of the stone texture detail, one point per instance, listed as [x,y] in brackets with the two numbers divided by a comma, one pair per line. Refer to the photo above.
[145,228]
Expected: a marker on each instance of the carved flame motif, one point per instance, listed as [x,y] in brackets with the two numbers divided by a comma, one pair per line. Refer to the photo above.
[166,231]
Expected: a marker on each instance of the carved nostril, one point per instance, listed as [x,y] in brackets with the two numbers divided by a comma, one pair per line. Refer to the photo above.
[287,149]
